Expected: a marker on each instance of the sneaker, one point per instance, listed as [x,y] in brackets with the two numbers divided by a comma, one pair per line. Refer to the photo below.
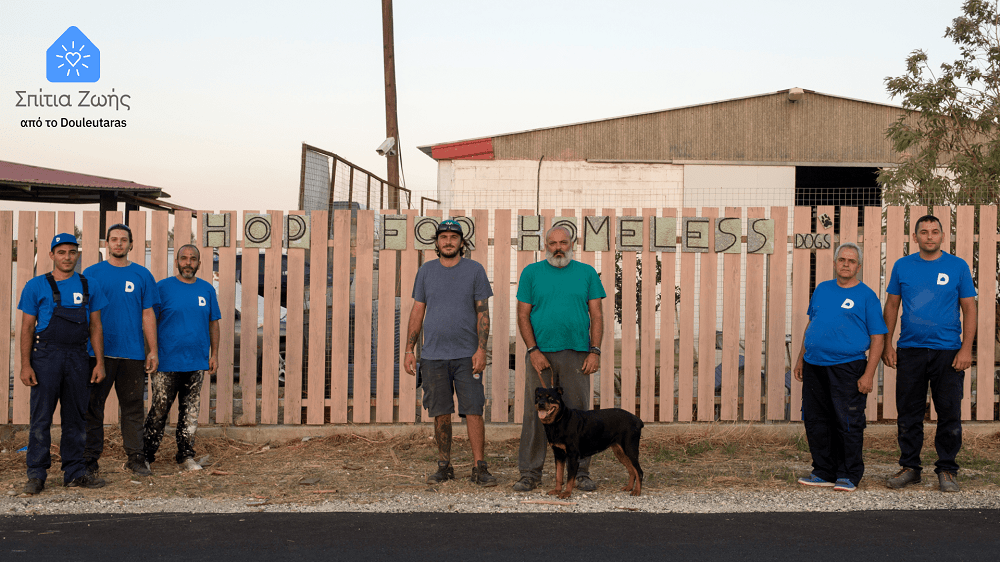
[813,480]
[844,485]
[482,476]
[34,486]
[137,464]
[188,464]
[948,482]
[444,473]
[526,484]
[585,484]
[86,481]
[904,477]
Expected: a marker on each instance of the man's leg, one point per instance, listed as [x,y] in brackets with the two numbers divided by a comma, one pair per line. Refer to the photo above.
[95,412]
[947,387]
[531,451]
[471,396]
[44,396]
[73,399]
[129,385]
[437,399]
[163,392]
[576,388]
[442,436]
[911,404]
[818,419]
[477,437]
[188,408]
[849,409]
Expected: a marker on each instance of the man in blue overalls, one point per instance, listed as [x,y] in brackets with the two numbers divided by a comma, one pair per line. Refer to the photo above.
[60,312]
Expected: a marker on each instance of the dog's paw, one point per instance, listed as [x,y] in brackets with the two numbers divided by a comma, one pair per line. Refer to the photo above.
[555,491]
[564,495]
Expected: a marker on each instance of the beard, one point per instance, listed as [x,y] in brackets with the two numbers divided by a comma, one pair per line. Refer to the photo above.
[119,254]
[188,272]
[445,254]
[558,259]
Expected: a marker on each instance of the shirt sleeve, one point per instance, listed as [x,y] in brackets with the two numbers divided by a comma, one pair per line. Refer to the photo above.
[419,293]
[158,305]
[213,299]
[966,288]
[150,296]
[873,315]
[596,289]
[524,286]
[893,287]
[29,303]
[98,300]
[811,311]
[482,289]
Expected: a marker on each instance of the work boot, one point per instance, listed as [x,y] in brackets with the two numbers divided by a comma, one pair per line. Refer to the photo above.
[948,482]
[526,484]
[444,473]
[904,477]
[34,486]
[86,481]
[482,476]
[585,484]
[137,464]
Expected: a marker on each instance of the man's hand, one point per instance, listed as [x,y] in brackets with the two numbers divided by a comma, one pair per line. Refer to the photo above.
[410,363]
[539,362]
[213,364]
[591,364]
[963,360]
[865,383]
[98,374]
[152,362]
[889,354]
[479,361]
[28,376]
[797,370]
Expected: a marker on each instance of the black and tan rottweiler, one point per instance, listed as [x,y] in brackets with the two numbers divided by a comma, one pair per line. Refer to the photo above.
[576,434]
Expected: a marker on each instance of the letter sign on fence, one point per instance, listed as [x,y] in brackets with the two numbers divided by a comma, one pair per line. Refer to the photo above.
[215,229]
[256,230]
[569,223]
[297,231]
[423,232]
[529,233]
[663,234]
[468,231]
[694,234]
[596,234]
[728,234]
[393,232]
[760,236]
[812,241]
[629,238]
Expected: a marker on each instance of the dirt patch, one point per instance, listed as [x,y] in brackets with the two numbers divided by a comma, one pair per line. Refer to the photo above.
[312,470]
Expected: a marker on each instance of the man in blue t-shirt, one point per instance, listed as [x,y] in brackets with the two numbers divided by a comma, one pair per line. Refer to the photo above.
[128,323]
[935,349]
[560,320]
[845,323]
[187,332]
[61,311]
[454,293]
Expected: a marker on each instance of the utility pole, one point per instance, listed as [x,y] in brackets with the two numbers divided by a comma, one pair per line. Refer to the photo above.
[391,124]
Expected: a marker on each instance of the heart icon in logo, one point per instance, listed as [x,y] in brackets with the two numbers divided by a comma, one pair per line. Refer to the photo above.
[72,58]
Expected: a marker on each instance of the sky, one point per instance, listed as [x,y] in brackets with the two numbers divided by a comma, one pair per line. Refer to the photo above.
[223,94]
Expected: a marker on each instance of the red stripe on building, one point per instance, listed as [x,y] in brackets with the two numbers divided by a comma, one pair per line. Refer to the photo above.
[479,149]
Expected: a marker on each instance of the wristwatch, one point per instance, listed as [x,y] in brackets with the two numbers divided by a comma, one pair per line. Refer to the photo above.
[595,350]
[533,348]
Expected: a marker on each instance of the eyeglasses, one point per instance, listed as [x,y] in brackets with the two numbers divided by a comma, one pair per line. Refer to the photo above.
[449,226]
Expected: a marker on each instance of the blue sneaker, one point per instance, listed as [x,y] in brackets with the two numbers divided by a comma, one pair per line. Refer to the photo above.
[813,480]
[844,485]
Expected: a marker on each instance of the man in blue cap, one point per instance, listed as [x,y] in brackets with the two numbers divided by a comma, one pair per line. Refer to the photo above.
[61,310]
[128,323]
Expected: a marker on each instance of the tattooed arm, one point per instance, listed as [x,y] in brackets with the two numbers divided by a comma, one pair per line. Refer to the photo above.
[483,330]
[413,333]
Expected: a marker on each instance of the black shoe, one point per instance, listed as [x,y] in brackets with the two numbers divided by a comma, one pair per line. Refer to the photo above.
[585,484]
[444,473]
[86,481]
[526,484]
[904,477]
[947,482]
[93,469]
[34,486]
[482,476]
[137,464]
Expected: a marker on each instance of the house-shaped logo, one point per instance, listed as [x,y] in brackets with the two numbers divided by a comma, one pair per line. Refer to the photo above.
[73,58]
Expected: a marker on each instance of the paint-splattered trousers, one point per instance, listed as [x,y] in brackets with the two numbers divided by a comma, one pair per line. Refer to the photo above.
[186,387]
[916,369]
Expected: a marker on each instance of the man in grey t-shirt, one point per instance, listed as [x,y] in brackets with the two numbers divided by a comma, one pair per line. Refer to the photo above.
[454,295]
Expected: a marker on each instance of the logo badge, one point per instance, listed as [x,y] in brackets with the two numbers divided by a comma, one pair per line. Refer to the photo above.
[129,287]
[73,58]
[942,279]
[77,298]
[848,303]
[201,301]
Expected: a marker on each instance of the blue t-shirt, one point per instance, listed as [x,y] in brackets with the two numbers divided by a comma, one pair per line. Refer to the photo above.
[450,294]
[36,298]
[182,318]
[129,290]
[841,323]
[559,299]
[930,291]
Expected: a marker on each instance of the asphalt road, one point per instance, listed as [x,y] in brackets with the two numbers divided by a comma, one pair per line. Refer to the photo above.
[857,536]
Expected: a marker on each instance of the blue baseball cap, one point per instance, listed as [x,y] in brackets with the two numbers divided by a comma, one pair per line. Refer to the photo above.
[63,238]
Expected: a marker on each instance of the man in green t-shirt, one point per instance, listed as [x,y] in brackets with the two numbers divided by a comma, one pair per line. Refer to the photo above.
[560,320]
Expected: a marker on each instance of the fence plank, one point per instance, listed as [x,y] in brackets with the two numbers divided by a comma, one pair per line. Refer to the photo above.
[270,355]
[944,215]
[500,372]
[340,314]
[481,254]
[872,275]
[6,263]
[294,332]
[686,356]
[800,306]
[205,274]
[668,309]
[407,275]
[706,322]
[589,258]
[895,240]
[729,408]
[753,320]
[158,251]
[137,223]
[386,334]
[629,326]
[227,324]
[986,331]
[608,360]
[428,256]
[848,225]
[315,401]
[248,327]
[90,249]
[824,258]
[46,232]
[647,336]
[777,289]
[965,222]
[25,271]
[363,317]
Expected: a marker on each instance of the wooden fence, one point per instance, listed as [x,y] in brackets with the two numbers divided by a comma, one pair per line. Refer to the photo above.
[327,364]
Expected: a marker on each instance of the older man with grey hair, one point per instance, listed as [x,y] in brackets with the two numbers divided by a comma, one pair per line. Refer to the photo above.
[560,320]
[845,322]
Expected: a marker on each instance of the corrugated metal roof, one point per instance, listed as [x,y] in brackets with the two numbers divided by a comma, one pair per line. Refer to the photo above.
[13,173]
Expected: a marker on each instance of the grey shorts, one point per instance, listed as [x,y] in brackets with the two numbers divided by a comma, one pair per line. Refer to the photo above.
[443,378]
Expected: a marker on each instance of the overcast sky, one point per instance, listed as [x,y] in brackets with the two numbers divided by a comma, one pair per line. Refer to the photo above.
[222,94]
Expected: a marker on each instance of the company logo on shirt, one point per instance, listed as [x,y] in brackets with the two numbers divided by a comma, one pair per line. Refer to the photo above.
[201,301]
[942,279]
[77,298]
[848,303]
[129,287]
